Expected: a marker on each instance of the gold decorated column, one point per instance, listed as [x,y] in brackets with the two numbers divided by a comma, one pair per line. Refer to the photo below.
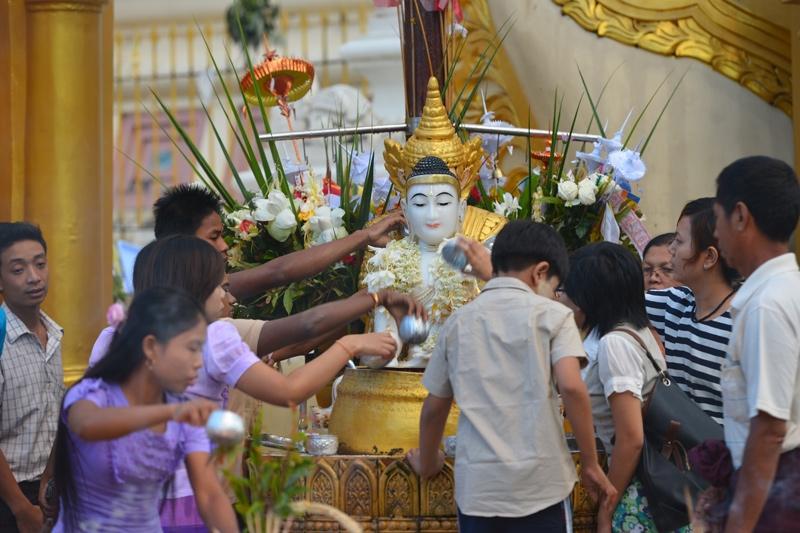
[66,158]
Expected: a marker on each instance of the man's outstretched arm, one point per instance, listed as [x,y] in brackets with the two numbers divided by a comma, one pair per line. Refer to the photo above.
[303,264]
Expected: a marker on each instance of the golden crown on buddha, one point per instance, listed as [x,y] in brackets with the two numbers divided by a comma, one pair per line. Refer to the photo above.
[435,136]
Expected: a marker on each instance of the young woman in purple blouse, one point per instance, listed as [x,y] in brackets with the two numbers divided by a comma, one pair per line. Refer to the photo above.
[194,266]
[126,427]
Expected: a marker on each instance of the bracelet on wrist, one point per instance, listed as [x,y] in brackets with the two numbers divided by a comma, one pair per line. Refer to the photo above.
[376,299]
[344,347]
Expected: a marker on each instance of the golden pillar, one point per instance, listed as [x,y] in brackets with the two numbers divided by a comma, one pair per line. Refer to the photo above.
[62,88]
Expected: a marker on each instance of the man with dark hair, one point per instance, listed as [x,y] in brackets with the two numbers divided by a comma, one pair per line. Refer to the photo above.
[194,210]
[657,263]
[757,208]
[31,377]
[500,357]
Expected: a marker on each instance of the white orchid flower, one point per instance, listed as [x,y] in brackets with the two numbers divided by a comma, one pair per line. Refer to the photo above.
[508,206]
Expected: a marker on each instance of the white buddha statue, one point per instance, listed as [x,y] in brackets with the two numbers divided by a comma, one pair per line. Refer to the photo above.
[434,210]
[434,173]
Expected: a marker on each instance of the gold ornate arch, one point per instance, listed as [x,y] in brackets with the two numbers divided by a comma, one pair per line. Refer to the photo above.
[731,39]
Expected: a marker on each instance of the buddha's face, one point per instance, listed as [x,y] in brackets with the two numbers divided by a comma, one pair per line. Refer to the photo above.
[433,212]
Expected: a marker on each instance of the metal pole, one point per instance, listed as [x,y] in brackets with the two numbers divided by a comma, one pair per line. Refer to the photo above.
[330,132]
[392,128]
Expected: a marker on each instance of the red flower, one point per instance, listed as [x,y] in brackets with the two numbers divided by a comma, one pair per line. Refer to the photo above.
[245,225]
[475,194]
[349,259]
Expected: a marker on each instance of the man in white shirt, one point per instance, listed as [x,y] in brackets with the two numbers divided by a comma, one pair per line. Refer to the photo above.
[757,208]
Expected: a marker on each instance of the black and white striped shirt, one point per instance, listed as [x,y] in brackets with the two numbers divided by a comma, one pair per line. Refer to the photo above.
[695,350]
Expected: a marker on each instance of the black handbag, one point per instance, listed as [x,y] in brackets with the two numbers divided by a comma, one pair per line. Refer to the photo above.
[673,424]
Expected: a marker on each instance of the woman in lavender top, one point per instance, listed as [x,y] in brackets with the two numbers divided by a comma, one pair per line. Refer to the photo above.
[193,265]
[124,429]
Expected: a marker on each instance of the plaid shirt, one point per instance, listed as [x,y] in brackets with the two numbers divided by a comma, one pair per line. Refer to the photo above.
[31,388]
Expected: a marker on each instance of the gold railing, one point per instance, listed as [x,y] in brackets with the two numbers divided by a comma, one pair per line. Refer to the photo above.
[170,58]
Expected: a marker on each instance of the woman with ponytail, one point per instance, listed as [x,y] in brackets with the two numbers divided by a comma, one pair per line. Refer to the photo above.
[126,427]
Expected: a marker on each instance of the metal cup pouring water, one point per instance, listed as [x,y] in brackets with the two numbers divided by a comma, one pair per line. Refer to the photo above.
[225,428]
[454,256]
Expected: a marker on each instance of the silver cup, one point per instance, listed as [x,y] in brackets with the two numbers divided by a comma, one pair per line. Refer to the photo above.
[225,428]
[454,256]
[413,330]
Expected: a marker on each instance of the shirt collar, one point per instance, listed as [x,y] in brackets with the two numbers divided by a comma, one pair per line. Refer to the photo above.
[777,265]
[15,328]
[505,282]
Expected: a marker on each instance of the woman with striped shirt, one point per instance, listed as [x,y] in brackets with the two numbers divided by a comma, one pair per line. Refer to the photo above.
[694,321]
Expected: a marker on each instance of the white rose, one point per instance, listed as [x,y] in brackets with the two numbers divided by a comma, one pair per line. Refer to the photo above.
[282,226]
[382,279]
[568,191]
[586,191]
[261,211]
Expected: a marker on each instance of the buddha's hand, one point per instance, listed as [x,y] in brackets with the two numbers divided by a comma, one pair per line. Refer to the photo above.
[400,305]
[478,257]
[194,412]
[380,345]
[378,233]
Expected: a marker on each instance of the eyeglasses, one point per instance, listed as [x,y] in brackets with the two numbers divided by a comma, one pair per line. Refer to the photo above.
[663,270]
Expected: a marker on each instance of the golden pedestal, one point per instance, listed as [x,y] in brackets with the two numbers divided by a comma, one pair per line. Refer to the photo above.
[383,494]
[376,417]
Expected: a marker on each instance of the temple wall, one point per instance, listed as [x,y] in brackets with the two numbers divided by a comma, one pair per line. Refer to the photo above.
[711,121]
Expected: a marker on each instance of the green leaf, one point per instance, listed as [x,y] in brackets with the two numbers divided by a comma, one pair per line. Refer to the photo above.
[213,182]
[366,195]
[244,143]
[526,202]
[245,193]
[276,159]
[639,118]
[600,96]
[591,103]
[476,85]
[569,139]
[666,104]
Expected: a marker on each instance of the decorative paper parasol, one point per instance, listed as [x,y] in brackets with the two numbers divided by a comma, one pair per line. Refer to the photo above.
[280,80]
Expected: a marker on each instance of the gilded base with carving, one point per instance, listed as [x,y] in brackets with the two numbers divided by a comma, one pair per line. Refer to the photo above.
[383,494]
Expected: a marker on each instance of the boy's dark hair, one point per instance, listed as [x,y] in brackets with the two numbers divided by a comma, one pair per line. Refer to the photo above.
[659,240]
[13,232]
[522,243]
[605,281]
[769,189]
[702,221]
[181,210]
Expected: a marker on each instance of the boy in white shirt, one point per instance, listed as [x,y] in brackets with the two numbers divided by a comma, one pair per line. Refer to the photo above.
[500,357]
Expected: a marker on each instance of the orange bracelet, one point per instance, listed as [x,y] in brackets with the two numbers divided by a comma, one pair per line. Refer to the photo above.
[376,299]
[340,343]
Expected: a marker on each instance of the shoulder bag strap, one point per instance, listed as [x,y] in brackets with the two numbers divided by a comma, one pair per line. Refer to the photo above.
[661,373]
